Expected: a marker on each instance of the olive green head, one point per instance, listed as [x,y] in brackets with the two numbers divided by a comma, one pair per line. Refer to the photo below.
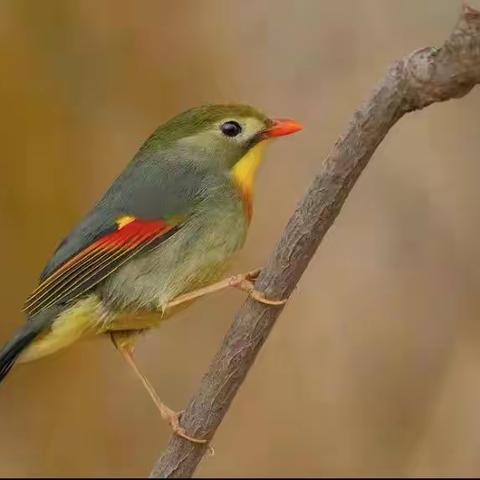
[218,134]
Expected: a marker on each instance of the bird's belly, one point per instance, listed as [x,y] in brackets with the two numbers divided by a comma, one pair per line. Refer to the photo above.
[123,320]
[135,297]
[190,259]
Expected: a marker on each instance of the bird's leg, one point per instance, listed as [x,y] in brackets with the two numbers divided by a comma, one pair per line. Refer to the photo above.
[166,413]
[242,281]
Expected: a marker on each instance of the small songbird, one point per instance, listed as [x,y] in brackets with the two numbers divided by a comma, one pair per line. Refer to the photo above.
[160,237]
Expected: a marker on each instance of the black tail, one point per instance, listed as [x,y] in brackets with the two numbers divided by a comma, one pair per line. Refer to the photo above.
[10,352]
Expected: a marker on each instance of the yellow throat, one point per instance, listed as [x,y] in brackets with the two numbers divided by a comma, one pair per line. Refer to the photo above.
[244,173]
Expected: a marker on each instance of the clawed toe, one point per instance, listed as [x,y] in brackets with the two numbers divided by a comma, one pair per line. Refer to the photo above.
[260,297]
[180,431]
[246,283]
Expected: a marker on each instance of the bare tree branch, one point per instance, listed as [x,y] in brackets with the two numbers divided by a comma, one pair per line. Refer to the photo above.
[426,76]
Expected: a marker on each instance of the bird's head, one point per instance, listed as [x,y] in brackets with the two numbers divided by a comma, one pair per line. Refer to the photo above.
[225,137]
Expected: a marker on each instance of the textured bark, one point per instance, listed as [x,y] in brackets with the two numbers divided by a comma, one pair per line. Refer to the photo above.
[424,77]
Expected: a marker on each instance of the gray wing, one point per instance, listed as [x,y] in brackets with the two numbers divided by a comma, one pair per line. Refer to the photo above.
[154,186]
[152,194]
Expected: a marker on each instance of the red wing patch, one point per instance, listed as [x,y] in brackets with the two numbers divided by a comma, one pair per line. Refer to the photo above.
[96,262]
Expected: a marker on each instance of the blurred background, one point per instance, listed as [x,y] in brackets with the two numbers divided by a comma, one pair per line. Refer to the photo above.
[373,369]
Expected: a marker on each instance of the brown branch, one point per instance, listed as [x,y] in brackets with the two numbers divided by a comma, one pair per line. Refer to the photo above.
[426,76]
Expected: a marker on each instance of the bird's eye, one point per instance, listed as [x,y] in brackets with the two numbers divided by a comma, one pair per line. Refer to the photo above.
[231,128]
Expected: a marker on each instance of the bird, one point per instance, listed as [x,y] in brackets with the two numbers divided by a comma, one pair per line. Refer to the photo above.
[160,237]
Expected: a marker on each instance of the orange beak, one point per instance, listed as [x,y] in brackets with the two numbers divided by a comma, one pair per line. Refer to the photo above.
[281,127]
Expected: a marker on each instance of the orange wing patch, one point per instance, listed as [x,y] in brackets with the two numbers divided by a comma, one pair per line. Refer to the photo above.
[123,221]
[96,262]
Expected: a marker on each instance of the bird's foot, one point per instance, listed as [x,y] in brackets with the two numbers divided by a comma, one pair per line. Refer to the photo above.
[246,282]
[178,430]
[174,421]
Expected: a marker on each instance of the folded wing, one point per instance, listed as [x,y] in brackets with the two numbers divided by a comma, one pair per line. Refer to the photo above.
[127,237]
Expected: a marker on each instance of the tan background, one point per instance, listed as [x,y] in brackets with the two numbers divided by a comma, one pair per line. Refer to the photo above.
[374,368]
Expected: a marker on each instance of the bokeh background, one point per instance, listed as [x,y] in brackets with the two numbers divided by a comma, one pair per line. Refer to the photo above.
[374,367]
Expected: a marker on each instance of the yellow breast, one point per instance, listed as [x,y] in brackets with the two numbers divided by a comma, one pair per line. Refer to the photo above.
[244,172]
